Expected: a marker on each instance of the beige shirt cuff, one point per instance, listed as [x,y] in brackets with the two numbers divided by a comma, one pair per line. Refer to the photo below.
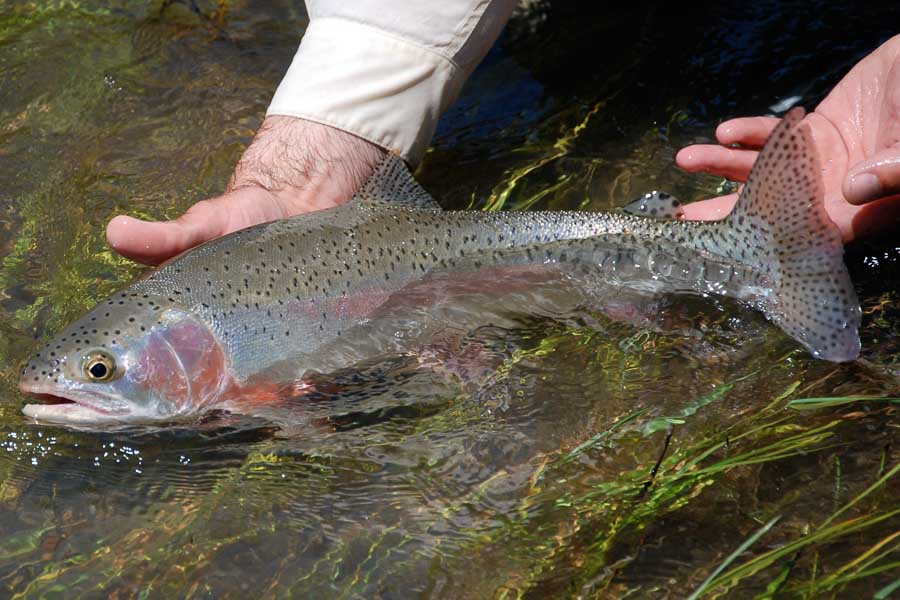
[366,81]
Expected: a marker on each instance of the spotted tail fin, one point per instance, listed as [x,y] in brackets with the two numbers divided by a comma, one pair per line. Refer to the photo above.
[781,210]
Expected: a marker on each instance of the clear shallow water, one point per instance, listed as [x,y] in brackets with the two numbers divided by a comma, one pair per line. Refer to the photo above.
[534,485]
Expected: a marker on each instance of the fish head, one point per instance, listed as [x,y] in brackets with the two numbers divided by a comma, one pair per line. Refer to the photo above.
[132,359]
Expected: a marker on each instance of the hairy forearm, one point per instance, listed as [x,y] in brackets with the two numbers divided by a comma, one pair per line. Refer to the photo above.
[313,165]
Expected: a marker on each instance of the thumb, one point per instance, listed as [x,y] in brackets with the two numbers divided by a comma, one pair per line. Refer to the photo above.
[154,242]
[876,177]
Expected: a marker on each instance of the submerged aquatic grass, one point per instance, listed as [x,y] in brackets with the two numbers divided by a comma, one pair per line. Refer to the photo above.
[820,403]
[634,501]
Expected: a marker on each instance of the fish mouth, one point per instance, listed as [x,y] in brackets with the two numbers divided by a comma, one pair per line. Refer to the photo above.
[70,406]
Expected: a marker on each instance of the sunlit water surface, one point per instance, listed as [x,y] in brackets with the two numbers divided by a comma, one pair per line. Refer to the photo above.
[540,481]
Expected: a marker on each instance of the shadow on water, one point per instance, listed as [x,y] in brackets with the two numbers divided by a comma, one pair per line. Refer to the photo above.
[603,455]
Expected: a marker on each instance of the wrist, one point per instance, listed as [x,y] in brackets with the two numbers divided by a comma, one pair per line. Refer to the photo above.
[305,164]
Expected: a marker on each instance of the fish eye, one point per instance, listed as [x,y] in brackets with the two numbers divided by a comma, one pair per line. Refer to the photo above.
[99,366]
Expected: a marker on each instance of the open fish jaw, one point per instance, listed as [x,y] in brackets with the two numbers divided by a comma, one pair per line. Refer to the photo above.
[72,406]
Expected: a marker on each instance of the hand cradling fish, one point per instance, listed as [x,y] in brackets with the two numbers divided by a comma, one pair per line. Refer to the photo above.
[237,322]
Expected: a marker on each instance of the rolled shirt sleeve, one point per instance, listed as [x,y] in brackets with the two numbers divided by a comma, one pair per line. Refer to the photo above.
[387,70]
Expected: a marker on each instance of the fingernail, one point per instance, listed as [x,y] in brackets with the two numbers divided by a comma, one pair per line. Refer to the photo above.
[724,133]
[863,188]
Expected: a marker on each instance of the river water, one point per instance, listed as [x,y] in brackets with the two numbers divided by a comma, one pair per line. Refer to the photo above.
[623,455]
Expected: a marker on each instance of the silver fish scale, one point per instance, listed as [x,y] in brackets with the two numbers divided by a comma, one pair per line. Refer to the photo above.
[281,292]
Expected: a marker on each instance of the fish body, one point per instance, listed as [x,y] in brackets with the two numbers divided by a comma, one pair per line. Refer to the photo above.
[242,320]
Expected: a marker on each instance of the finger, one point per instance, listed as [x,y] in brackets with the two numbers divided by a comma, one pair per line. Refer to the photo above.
[154,242]
[730,163]
[875,219]
[713,209]
[748,132]
[874,178]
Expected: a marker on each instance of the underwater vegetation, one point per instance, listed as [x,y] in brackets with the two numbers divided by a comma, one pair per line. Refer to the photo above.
[691,450]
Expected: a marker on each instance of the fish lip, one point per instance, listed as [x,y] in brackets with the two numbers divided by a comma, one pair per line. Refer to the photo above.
[73,397]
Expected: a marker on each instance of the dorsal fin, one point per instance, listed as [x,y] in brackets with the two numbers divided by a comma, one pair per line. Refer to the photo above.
[393,184]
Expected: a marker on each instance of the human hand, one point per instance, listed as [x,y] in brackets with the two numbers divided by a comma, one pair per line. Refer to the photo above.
[291,167]
[856,131]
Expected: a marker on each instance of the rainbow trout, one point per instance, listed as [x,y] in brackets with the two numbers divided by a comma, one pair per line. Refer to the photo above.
[242,321]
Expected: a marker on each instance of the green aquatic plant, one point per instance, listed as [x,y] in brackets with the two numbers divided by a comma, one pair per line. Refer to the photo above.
[592,460]
[869,563]
[633,501]
[499,197]
[820,403]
